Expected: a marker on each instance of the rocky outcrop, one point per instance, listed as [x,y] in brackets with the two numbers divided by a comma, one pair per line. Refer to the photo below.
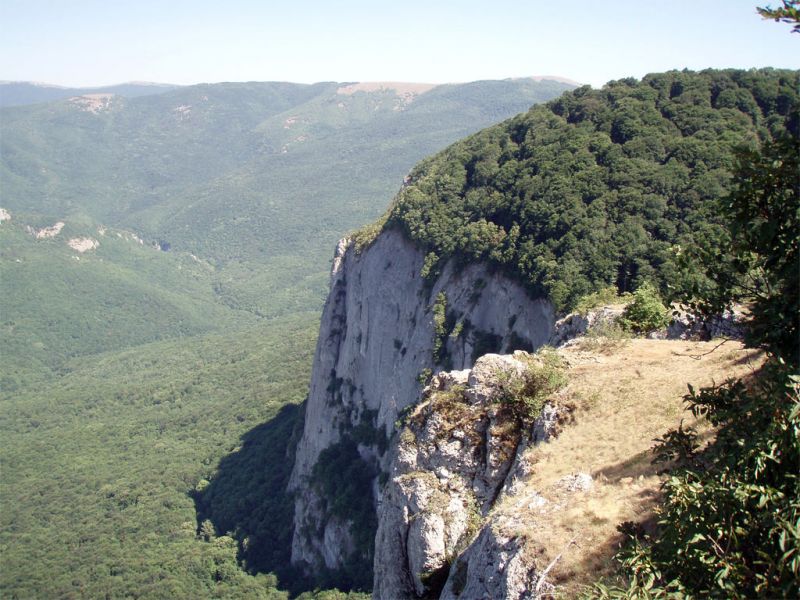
[383,328]
[451,461]
[686,326]
[578,324]
[494,566]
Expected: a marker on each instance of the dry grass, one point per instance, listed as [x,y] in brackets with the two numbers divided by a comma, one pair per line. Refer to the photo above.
[623,402]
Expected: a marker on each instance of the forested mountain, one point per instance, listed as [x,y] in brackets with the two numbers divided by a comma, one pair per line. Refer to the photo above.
[156,253]
[20,93]
[600,187]
[257,180]
[485,246]
[163,264]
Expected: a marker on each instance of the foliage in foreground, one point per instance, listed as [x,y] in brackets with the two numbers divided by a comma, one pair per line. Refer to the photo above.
[730,521]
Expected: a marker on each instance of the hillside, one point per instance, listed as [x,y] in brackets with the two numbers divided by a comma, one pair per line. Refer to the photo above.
[600,187]
[621,396]
[21,93]
[218,204]
[87,291]
[99,464]
[256,180]
[486,246]
[163,264]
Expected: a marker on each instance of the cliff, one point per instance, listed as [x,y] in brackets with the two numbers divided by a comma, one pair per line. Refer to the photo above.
[453,459]
[382,329]
[409,453]
[420,484]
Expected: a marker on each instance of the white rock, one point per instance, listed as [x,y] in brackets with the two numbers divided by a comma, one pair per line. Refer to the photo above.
[83,244]
[376,337]
[577,482]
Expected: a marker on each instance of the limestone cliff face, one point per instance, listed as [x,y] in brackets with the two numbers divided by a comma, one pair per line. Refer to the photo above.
[458,452]
[378,334]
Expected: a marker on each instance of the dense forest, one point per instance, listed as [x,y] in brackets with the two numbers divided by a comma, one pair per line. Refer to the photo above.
[599,187]
[177,350]
[620,186]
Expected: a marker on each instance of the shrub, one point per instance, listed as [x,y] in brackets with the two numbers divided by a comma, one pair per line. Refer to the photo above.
[602,297]
[647,312]
[605,336]
[526,395]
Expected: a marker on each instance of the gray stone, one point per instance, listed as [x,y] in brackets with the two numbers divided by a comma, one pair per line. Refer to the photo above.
[376,337]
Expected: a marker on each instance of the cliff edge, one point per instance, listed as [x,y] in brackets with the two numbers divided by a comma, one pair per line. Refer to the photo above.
[384,330]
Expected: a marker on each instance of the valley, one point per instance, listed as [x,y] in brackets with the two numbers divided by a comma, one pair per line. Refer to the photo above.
[156,253]
[169,429]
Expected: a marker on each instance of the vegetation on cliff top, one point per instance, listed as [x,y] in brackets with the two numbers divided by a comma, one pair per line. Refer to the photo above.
[728,526]
[599,187]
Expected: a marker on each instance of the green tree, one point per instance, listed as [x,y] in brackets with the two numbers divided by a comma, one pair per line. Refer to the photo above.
[730,521]
[788,13]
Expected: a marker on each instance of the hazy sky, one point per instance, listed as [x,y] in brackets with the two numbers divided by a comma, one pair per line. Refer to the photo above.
[98,42]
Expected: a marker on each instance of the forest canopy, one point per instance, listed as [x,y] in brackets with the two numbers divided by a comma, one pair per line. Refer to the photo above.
[599,187]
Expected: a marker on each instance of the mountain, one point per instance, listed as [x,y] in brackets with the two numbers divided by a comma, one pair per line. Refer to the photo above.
[20,93]
[255,180]
[486,245]
[163,263]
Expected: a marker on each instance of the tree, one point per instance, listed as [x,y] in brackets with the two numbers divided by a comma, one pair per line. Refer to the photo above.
[729,525]
[766,220]
[788,13]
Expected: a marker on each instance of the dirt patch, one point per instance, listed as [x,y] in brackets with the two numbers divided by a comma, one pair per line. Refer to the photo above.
[93,103]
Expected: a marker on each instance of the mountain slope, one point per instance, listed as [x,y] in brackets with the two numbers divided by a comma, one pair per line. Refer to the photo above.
[156,253]
[600,187]
[485,245]
[259,178]
[21,93]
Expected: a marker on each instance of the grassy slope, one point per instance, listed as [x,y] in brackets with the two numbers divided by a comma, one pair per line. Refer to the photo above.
[625,395]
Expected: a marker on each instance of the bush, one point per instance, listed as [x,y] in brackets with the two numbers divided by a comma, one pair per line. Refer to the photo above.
[602,297]
[526,395]
[647,312]
[605,336]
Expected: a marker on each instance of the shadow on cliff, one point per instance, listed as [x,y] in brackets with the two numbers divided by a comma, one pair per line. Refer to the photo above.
[247,497]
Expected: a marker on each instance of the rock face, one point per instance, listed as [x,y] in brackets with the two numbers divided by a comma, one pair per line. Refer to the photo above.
[450,463]
[494,566]
[685,327]
[382,327]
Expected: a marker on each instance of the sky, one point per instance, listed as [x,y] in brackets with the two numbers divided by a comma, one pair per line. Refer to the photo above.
[102,42]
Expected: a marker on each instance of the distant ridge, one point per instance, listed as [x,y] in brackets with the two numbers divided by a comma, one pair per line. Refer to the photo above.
[551,78]
[377,86]
[21,93]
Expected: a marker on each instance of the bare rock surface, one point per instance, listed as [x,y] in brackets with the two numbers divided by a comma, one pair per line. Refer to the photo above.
[457,453]
[376,337]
